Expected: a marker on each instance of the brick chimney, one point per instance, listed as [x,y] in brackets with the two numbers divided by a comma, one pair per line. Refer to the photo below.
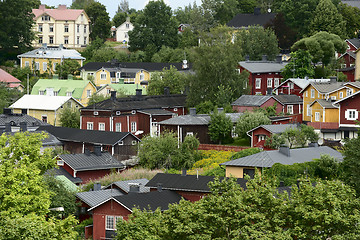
[42,7]
[62,7]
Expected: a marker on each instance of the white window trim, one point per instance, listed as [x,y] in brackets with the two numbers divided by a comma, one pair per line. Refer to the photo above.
[101,126]
[276,82]
[317,116]
[117,127]
[290,109]
[308,110]
[103,76]
[312,93]
[350,112]
[341,95]
[90,126]
[269,80]
[258,83]
[133,127]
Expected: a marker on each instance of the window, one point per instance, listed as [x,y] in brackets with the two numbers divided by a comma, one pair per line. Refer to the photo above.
[66,40]
[300,109]
[45,18]
[142,77]
[290,109]
[40,28]
[85,40]
[111,222]
[37,66]
[269,82]
[118,74]
[312,93]
[44,118]
[41,92]
[351,114]
[101,126]
[189,134]
[51,28]
[44,66]
[349,92]
[133,142]
[306,94]
[78,40]
[127,25]
[317,116]
[60,162]
[78,28]
[276,82]
[27,64]
[84,28]
[126,35]
[117,127]
[341,95]
[56,93]
[68,94]
[82,17]
[262,138]
[88,93]
[121,143]
[258,83]
[89,126]
[133,126]
[51,39]
[103,76]
[40,39]
[66,28]
[308,110]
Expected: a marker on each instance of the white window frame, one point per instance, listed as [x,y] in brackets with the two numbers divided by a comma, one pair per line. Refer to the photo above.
[306,94]
[54,66]
[351,114]
[101,126]
[69,94]
[90,126]
[88,93]
[133,142]
[27,64]
[44,66]
[51,39]
[42,92]
[312,93]
[317,116]
[66,28]
[257,83]
[37,66]
[85,40]
[44,117]
[40,28]
[103,76]
[189,134]
[290,109]
[40,39]
[133,127]
[66,40]
[78,28]
[118,127]
[60,162]
[349,92]
[51,28]
[110,223]
[308,110]
[276,82]
[341,95]
[269,83]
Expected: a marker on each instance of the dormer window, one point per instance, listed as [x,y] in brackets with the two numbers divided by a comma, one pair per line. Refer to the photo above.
[45,18]
[68,94]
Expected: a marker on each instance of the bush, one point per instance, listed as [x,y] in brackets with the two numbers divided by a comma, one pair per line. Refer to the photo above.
[244,153]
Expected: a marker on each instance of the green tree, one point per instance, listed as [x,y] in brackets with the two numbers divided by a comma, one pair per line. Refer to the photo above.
[100,22]
[8,96]
[223,11]
[70,117]
[81,4]
[250,120]
[291,136]
[92,48]
[171,78]
[351,163]
[166,152]
[327,18]
[351,15]
[247,6]
[154,28]
[322,46]
[220,127]
[119,18]
[16,19]
[66,68]
[95,98]
[274,141]
[300,65]
[257,41]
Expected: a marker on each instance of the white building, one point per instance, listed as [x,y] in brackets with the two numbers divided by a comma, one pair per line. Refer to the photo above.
[122,31]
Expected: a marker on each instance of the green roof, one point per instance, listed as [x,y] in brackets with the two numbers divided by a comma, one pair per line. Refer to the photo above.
[129,89]
[61,86]
[67,183]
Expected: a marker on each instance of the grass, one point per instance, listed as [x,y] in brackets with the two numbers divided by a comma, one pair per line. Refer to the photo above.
[112,44]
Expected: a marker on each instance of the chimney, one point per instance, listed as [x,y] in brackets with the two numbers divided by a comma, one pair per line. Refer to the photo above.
[269,91]
[138,93]
[23,126]
[264,58]
[281,184]
[62,7]
[113,95]
[7,111]
[97,150]
[7,127]
[159,187]
[97,186]
[134,188]
[220,110]
[279,58]
[87,152]
[44,45]
[313,144]
[285,150]
[257,11]
[333,79]
[192,111]
[247,58]
[166,91]
[42,7]
[183,172]
[24,111]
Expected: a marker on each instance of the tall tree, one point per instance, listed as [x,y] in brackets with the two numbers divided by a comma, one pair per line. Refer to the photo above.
[327,18]
[153,29]
[250,120]
[123,6]
[100,21]
[351,163]
[220,127]
[67,67]
[16,24]
[81,4]
[351,15]
[222,10]
[70,117]
[300,65]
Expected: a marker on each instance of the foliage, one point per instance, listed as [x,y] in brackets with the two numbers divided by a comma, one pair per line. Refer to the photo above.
[8,96]
[119,18]
[81,226]
[16,19]
[256,41]
[105,54]
[187,38]
[210,160]
[70,117]
[244,153]
[67,67]
[171,78]
[327,210]
[322,46]
[351,15]
[222,10]
[205,107]
[300,65]
[218,171]
[90,49]
[274,141]
[220,127]
[154,28]
[81,4]
[268,111]
[96,98]
[327,18]
[166,152]
[99,21]
[250,120]
[168,54]
[351,163]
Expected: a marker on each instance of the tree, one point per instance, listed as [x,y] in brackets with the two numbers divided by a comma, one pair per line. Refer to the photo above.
[322,46]
[223,11]
[8,96]
[81,4]
[66,68]
[100,22]
[250,120]
[257,41]
[274,141]
[16,19]
[247,6]
[300,65]
[123,6]
[351,15]
[220,127]
[119,18]
[95,98]
[171,78]
[154,28]
[327,18]
[351,163]
[70,117]
[166,152]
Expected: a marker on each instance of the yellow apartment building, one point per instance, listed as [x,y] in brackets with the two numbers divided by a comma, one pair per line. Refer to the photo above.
[105,76]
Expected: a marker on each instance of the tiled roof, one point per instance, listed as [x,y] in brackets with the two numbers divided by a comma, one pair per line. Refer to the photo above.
[88,136]
[125,185]
[76,87]
[245,20]
[263,66]
[6,77]
[41,102]
[251,100]
[355,84]
[301,82]
[50,52]
[140,103]
[59,14]
[288,99]
[298,155]
[93,198]
[149,66]
[186,183]
[84,162]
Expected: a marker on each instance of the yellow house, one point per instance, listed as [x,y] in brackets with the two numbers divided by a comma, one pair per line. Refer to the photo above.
[69,27]
[45,59]
[45,108]
[357,65]
[105,76]
[324,111]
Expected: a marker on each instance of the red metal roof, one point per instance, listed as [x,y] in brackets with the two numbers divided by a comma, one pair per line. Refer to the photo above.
[8,78]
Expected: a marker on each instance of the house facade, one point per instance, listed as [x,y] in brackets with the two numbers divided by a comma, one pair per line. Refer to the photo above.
[127,89]
[122,31]
[295,86]
[69,27]
[10,81]
[117,75]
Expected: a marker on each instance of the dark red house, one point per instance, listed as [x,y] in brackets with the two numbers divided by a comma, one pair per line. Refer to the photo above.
[138,115]
[264,75]
[295,85]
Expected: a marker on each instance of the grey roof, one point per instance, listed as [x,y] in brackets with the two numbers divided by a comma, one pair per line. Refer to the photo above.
[243,20]
[93,198]
[50,140]
[251,100]
[355,84]
[298,155]
[157,112]
[234,117]
[327,87]
[353,3]
[49,52]
[277,128]
[354,41]
[301,82]
[16,118]
[324,103]
[262,66]
[288,99]
[125,185]
[83,162]
[198,119]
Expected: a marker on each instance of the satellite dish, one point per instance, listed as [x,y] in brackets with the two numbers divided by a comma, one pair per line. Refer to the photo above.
[269,10]
[321,141]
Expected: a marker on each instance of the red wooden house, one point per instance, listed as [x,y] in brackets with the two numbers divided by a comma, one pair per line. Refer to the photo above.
[295,85]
